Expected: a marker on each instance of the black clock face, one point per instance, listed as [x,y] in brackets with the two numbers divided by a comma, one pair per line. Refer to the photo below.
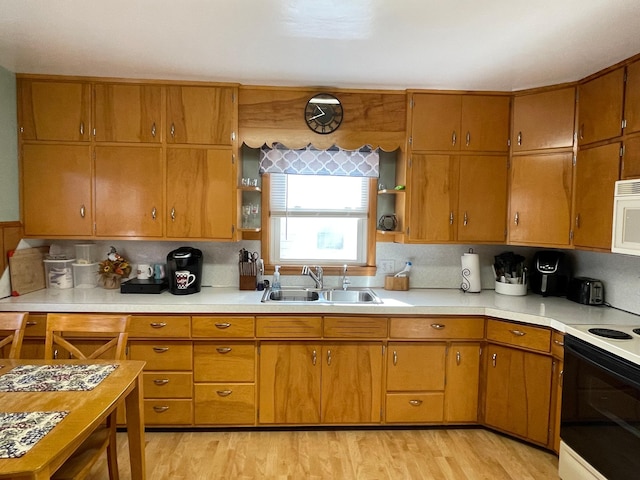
[323,113]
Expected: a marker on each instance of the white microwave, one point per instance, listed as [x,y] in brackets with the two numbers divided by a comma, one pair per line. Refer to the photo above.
[626,218]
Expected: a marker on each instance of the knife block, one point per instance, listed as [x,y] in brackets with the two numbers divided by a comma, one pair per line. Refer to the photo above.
[396,283]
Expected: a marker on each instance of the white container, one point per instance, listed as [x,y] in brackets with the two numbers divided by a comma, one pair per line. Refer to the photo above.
[86,253]
[516,289]
[85,275]
[59,273]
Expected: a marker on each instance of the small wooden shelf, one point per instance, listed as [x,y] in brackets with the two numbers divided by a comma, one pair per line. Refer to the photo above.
[394,236]
[249,189]
[391,192]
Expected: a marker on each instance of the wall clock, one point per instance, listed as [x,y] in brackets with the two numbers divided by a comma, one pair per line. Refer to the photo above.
[323,113]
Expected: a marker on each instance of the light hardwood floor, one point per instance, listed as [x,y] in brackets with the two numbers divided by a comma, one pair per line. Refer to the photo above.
[465,454]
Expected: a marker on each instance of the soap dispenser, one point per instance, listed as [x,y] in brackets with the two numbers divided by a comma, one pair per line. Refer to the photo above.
[275,286]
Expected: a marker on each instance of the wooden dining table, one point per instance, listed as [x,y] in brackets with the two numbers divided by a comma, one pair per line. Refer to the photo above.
[87,410]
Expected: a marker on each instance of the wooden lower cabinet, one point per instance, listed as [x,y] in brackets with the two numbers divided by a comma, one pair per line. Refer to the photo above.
[462,383]
[309,382]
[518,392]
[224,404]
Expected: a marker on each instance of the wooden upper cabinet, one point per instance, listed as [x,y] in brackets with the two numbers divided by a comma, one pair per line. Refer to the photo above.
[600,107]
[200,193]
[56,195]
[540,199]
[442,122]
[127,113]
[632,99]
[129,205]
[55,110]
[544,120]
[631,158]
[201,115]
[597,170]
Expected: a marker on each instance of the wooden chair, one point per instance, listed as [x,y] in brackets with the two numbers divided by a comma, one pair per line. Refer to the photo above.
[68,331]
[14,323]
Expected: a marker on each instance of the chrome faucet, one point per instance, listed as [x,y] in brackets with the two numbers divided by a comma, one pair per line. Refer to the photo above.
[345,280]
[317,276]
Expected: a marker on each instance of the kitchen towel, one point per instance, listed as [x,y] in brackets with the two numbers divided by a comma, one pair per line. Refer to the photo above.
[470,272]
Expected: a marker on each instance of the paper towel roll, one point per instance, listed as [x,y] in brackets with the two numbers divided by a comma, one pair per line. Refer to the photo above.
[470,272]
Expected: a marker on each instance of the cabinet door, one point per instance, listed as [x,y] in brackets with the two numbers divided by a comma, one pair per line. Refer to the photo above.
[485,123]
[127,113]
[597,170]
[632,98]
[432,198]
[544,120]
[540,199]
[600,107]
[631,159]
[463,378]
[129,191]
[351,382]
[200,188]
[55,110]
[290,382]
[415,366]
[518,392]
[56,195]
[435,122]
[482,199]
[203,115]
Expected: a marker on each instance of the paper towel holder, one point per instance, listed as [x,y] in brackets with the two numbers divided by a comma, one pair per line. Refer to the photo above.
[465,286]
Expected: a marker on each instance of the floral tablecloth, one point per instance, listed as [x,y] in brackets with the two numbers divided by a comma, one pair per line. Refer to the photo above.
[19,431]
[54,378]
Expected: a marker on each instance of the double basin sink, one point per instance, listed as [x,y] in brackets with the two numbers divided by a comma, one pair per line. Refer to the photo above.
[354,296]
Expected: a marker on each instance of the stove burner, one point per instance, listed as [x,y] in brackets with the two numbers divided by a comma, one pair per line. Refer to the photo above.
[608,333]
[636,331]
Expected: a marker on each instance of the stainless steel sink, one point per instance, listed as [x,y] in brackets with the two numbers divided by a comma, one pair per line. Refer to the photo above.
[354,296]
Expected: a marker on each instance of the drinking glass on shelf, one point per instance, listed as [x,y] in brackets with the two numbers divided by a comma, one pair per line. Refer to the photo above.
[255,219]
[246,212]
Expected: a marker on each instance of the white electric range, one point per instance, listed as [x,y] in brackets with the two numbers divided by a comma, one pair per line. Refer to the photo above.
[621,340]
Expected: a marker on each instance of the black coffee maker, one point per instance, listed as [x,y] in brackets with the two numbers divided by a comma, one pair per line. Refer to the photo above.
[184,270]
[550,273]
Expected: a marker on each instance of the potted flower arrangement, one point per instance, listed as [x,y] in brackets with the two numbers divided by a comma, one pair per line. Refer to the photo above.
[113,269]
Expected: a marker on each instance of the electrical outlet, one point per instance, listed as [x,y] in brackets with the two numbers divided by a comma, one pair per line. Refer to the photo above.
[386,266]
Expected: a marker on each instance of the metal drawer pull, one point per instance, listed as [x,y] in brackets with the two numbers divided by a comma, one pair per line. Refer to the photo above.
[161,381]
[314,358]
[516,219]
[173,130]
[468,138]
[173,214]
[465,221]
[223,349]
[458,357]
[518,333]
[160,349]
[437,326]
[329,357]
[559,343]
[82,211]
[453,138]
[494,358]
[519,138]
[158,324]
[31,324]
[81,128]
[222,326]
[223,393]
[415,403]
[154,213]
[450,218]
[160,408]
[395,358]
[153,130]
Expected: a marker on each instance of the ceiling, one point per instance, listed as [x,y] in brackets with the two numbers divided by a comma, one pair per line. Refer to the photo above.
[435,44]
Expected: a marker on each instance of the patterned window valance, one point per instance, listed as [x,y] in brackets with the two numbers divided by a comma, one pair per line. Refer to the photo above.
[363,162]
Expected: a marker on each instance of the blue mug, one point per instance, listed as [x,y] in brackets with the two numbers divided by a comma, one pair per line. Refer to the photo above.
[159,271]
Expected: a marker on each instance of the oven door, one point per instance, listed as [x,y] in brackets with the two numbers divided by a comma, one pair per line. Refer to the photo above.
[601,409]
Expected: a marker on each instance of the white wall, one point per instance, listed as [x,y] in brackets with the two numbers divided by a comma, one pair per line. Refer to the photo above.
[9,182]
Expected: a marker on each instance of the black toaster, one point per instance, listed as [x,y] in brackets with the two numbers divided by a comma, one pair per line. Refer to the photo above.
[587,291]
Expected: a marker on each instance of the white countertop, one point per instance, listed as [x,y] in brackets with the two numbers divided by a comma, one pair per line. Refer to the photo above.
[558,313]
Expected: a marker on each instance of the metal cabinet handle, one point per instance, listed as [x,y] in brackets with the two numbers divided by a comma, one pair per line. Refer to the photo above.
[172,131]
[395,358]
[160,349]
[468,138]
[519,138]
[518,333]
[437,326]
[222,326]
[223,350]
[415,403]
[82,211]
[93,132]
[465,219]
[559,343]
[328,357]
[173,214]
[224,393]
[516,219]
[494,358]
[158,324]
[31,324]
[578,221]
[160,408]
[458,358]
[153,129]
[161,381]
[314,358]
[581,131]
[450,218]
[154,213]
[454,138]
[81,128]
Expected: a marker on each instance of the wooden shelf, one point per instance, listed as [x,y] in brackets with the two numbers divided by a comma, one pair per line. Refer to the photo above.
[249,189]
[389,236]
[391,192]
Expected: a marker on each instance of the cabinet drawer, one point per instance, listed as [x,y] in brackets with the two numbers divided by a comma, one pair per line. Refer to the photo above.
[349,327]
[167,384]
[534,338]
[143,326]
[36,325]
[415,407]
[557,344]
[168,412]
[162,355]
[225,404]
[286,327]
[223,362]
[223,327]
[437,327]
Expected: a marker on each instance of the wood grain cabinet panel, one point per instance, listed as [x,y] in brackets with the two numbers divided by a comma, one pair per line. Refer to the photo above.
[525,336]
[435,122]
[415,407]
[174,326]
[287,327]
[436,327]
[600,103]
[55,110]
[225,404]
[169,412]
[222,327]
[223,362]
[632,99]
[159,355]
[354,327]
[127,113]
[462,388]
[415,366]
[631,158]
[167,384]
